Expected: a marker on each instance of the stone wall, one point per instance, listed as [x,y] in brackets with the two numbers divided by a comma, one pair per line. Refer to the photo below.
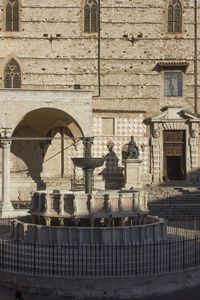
[133,41]
[55,53]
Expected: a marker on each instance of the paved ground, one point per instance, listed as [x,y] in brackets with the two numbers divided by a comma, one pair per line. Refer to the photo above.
[8,294]
[188,294]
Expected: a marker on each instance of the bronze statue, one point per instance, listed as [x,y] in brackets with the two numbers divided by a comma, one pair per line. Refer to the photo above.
[132,150]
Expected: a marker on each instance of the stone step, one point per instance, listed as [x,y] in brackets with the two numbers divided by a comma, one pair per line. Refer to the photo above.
[170,212]
[174,201]
[178,200]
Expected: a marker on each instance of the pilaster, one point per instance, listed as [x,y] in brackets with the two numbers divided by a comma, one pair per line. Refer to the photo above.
[6,144]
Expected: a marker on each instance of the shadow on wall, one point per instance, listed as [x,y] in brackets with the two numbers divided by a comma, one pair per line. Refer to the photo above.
[112,173]
[27,155]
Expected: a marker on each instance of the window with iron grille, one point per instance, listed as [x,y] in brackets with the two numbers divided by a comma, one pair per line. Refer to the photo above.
[12,75]
[91,16]
[174,16]
[12,15]
[173,84]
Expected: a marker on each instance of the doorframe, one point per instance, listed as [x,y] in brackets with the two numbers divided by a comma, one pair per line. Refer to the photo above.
[157,151]
[174,118]
[176,126]
[182,157]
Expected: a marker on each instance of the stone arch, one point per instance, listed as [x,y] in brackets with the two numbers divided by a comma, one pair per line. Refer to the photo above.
[57,117]
[32,138]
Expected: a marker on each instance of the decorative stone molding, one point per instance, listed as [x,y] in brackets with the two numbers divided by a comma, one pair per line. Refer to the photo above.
[174,126]
[175,118]
[54,205]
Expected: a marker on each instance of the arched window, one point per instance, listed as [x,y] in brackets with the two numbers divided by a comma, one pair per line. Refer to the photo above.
[12,15]
[174,16]
[12,75]
[91,16]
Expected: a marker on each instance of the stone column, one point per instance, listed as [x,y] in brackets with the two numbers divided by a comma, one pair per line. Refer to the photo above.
[48,204]
[62,205]
[6,203]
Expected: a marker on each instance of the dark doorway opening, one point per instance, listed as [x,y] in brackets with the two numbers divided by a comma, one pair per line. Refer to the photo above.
[174,154]
[174,168]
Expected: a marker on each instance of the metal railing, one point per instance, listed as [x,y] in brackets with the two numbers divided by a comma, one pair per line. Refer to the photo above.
[100,260]
[180,251]
[5,226]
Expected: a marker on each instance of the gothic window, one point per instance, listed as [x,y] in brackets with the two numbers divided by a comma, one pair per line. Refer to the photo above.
[12,75]
[12,15]
[91,16]
[174,16]
[173,84]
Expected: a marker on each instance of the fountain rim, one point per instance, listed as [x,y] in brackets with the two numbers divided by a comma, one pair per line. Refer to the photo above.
[89,162]
[159,221]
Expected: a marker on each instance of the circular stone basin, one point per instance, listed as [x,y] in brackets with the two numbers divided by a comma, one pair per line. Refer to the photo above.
[88,162]
[154,230]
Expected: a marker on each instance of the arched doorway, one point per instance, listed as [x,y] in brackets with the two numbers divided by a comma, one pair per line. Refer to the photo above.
[43,144]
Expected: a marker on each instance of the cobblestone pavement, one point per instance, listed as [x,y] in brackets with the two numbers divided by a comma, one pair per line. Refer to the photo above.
[188,294]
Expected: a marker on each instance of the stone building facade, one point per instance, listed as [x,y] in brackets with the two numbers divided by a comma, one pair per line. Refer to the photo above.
[109,69]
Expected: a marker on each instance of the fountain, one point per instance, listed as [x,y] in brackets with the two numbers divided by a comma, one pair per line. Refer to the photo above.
[78,236]
[93,217]
[88,163]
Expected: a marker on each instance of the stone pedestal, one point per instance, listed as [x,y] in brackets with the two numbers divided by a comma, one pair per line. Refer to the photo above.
[133,173]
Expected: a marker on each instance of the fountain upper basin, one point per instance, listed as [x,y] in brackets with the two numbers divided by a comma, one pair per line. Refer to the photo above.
[88,162]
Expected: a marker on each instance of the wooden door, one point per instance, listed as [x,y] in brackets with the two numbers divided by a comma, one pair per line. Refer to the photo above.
[174,154]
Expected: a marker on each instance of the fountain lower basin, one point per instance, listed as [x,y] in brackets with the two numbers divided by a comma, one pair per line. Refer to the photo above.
[73,217]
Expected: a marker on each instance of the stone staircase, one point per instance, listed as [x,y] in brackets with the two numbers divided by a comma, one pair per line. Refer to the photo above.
[173,202]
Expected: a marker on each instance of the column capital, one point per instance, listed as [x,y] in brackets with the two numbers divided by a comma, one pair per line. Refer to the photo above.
[5,134]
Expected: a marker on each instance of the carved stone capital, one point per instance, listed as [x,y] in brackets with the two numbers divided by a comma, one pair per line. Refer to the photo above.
[5,134]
